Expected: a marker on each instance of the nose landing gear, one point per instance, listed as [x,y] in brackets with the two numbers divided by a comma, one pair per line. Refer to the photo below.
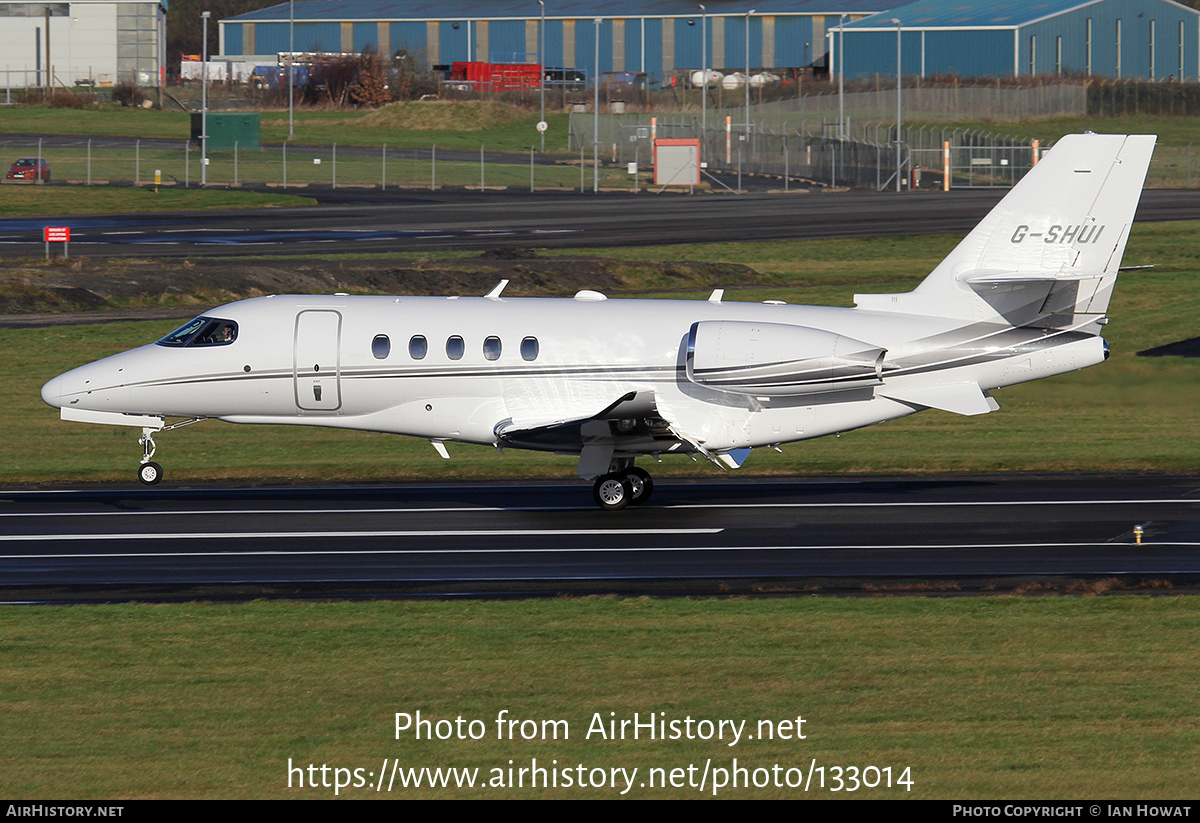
[150,473]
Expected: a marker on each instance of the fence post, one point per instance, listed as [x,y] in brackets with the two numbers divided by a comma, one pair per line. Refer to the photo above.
[137,162]
[945,165]
[285,164]
[235,162]
[187,163]
[89,170]
[481,166]
[531,169]
[383,179]
[786,169]
[433,167]
[335,165]
[637,170]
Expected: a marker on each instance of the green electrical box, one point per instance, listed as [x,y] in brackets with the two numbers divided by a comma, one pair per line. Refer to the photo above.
[225,129]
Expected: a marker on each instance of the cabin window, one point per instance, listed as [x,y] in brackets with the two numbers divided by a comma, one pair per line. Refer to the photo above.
[455,348]
[418,347]
[491,348]
[381,346]
[203,331]
[529,348]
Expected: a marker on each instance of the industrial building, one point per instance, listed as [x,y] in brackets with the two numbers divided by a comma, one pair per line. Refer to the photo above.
[658,37]
[100,42]
[1142,39]
[1119,39]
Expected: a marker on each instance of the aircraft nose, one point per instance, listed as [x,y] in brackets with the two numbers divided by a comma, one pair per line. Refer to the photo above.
[52,392]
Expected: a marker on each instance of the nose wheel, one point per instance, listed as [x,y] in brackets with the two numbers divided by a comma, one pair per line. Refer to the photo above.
[150,473]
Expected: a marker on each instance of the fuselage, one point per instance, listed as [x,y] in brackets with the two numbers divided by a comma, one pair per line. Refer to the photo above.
[472,369]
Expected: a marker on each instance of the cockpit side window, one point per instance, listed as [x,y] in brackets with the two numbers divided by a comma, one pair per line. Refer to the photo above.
[203,331]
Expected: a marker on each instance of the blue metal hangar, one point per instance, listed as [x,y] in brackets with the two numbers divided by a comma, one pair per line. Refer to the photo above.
[1130,39]
[1120,39]
[659,37]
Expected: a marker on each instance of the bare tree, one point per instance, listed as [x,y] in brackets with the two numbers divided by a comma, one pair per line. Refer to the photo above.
[371,90]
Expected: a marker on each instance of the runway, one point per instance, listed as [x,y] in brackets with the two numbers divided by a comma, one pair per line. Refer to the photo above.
[950,534]
[460,220]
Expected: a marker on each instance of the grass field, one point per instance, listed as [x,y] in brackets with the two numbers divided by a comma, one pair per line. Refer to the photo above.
[450,126]
[1048,698]
[497,127]
[299,166]
[21,200]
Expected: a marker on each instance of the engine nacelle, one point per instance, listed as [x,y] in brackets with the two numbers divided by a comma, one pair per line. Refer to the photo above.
[776,359]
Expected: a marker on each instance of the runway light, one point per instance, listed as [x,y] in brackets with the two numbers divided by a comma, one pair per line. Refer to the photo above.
[1138,531]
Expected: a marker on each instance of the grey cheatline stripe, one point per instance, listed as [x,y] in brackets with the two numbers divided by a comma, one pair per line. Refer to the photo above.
[11,538]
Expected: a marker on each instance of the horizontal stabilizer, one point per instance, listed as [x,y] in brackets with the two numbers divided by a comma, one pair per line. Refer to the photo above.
[986,277]
[959,398]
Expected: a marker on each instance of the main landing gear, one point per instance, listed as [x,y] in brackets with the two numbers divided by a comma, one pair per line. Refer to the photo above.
[620,488]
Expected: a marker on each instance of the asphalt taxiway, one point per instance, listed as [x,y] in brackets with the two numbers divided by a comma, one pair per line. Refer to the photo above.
[943,534]
[414,220]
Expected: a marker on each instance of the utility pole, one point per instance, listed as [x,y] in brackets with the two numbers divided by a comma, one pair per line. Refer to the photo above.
[542,71]
[898,110]
[204,108]
[703,80]
[596,117]
[291,65]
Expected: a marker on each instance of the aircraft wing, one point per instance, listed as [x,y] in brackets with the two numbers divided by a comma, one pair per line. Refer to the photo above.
[627,425]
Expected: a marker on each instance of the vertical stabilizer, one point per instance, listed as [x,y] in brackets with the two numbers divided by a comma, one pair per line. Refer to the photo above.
[1050,248]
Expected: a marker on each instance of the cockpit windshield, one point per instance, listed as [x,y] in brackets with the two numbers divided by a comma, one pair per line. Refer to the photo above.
[203,331]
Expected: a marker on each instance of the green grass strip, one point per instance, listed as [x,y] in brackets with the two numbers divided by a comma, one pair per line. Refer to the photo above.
[1048,698]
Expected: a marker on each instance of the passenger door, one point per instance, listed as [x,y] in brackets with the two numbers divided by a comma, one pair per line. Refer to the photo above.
[317,363]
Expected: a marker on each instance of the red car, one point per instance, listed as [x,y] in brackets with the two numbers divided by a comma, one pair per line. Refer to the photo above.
[29,168]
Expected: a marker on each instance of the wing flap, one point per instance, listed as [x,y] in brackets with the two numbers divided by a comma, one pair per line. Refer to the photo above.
[959,398]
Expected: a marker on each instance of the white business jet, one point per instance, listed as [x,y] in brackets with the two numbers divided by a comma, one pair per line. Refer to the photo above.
[1024,296]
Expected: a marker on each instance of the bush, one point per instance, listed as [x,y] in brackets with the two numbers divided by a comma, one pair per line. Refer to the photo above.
[126,93]
[70,100]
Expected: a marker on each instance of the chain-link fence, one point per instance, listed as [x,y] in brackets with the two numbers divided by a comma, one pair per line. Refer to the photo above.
[809,149]
[927,104]
[865,156]
[178,163]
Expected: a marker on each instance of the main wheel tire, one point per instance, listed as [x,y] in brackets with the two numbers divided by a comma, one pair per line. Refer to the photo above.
[640,484]
[612,492]
[150,473]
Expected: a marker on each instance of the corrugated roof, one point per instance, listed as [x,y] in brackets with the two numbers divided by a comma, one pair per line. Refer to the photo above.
[959,14]
[326,10]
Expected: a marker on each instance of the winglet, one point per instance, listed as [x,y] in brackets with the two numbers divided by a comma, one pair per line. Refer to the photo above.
[494,294]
